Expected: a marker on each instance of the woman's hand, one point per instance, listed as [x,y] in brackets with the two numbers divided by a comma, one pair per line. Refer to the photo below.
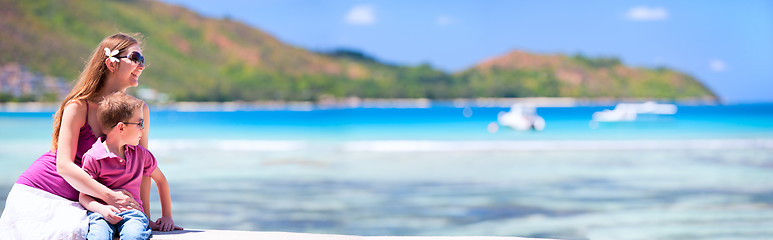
[122,200]
[164,224]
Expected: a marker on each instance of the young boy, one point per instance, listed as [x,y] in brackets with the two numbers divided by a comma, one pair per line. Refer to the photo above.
[118,162]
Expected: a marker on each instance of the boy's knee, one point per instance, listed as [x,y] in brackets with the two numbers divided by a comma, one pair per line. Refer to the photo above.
[99,232]
[135,225]
[136,236]
[98,228]
[135,233]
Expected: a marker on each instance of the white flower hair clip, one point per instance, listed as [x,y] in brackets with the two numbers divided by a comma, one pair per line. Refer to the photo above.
[111,55]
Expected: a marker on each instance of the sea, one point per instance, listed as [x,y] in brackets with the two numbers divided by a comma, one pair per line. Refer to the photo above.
[705,172]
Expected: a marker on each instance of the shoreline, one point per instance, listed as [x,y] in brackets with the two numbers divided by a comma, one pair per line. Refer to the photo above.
[354,103]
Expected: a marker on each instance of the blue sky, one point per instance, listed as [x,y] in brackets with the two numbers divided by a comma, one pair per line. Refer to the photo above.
[728,45]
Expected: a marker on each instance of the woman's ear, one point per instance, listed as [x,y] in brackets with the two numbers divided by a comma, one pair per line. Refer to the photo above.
[110,65]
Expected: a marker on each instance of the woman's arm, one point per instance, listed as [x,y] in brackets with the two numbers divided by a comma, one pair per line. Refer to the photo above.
[163,192]
[145,195]
[146,125]
[165,223]
[145,184]
[73,117]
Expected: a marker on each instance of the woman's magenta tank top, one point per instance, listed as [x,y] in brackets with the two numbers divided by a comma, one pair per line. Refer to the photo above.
[42,173]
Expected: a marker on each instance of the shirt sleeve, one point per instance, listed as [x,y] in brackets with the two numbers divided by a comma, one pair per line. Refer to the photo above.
[91,166]
[149,163]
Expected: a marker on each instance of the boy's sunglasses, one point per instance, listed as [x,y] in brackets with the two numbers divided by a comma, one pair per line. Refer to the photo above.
[139,124]
[135,57]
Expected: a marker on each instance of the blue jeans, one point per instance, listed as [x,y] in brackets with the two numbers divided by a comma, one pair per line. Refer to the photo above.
[133,226]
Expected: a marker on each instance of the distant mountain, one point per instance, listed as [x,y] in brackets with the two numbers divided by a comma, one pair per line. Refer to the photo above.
[195,58]
[520,73]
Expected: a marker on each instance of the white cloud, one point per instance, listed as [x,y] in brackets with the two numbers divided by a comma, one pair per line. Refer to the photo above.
[643,13]
[717,65]
[361,15]
[443,20]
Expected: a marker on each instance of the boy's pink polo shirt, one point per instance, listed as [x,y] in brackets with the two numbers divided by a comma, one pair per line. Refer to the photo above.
[112,171]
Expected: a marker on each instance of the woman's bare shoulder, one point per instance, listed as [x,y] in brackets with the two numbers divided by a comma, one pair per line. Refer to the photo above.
[76,106]
[145,110]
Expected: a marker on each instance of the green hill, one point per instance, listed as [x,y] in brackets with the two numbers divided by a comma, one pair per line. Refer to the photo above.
[520,73]
[194,58]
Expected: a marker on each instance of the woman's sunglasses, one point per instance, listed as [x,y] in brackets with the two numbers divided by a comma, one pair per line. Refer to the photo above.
[136,58]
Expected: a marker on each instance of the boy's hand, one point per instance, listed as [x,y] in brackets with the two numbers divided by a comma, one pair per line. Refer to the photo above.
[165,224]
[153,226]
[109,213]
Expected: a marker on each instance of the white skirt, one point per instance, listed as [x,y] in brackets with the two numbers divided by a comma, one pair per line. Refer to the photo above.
[31,213]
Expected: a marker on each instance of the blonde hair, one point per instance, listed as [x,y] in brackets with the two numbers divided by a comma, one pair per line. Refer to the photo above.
[92,78]
[117,107]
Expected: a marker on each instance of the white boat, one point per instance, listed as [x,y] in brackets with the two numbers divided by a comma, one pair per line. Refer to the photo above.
[522,117]
[626,112]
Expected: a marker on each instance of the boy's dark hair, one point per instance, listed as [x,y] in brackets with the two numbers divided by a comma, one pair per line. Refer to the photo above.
[116,107]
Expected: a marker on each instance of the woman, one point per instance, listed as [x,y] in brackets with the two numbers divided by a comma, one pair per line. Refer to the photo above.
[43,204]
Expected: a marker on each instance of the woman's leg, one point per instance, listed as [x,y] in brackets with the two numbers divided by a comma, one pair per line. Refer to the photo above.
[31,213]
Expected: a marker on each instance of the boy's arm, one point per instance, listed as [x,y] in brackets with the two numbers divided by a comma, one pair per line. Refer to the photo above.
[88,202]
[107,211]
[165,222]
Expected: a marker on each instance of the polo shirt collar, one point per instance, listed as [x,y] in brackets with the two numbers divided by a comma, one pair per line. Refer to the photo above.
[101,150]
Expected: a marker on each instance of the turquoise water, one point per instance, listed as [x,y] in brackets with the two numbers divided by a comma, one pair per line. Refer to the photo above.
[447,123]
[703,173]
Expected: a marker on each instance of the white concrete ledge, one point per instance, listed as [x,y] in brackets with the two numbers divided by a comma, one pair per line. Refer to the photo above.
[195,234]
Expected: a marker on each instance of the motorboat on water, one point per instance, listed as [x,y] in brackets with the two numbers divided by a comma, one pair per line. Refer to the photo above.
[522,117]
[626,112]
